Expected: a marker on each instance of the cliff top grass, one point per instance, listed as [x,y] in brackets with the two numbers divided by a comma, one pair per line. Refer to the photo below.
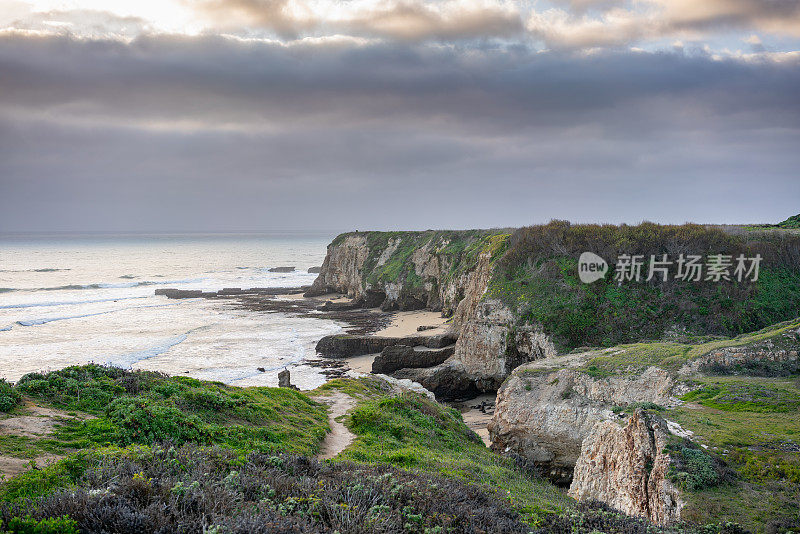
[791,223]
[142,407]
[537,276]
[636,357]
[163,454]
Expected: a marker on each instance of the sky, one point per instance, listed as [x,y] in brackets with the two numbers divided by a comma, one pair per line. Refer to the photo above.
[333,115]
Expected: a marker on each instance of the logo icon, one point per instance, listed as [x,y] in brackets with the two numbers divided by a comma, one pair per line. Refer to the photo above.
[591,267]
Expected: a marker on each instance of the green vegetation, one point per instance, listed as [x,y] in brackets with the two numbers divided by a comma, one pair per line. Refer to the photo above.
[537,277]
[636,357]
[753,425]
[191,489]
[29,525]
[412,432]
[791,223]
[444,464]
[146,407]
[693,469]
[9,397]
[742,395]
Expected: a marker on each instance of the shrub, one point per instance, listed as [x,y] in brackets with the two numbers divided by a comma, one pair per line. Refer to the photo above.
[52,525]
[593,517]
[694,470]
[190,489]
[537,277]
[9,397]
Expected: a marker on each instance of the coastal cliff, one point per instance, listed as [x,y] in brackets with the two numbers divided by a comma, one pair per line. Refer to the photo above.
[432,270]
[583,391]
[441,271]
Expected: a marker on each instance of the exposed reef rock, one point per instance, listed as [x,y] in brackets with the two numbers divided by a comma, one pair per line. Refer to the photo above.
[315,270]
[546,416]
[627,468]
[171,293]
[398,357]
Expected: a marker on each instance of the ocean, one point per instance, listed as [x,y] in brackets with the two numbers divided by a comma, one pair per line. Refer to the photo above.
[70,300]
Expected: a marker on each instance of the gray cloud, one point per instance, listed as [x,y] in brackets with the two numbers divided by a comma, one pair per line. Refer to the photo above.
[408,20]
[216,134]
[651,20]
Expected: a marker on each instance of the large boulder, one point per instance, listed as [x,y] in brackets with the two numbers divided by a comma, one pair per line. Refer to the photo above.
[627,468]
[448,381]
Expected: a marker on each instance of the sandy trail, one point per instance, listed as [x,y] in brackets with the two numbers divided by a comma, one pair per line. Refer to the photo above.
[33,422]
[340,436]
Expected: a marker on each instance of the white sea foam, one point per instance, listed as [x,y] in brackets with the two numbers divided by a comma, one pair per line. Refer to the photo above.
[209,339]
[65,303]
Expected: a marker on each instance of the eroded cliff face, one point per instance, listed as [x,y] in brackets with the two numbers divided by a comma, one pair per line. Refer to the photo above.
[420,270]
[627,468]
[546,416]
[404,270]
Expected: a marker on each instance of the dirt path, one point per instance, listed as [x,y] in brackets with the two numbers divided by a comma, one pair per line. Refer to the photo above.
[340,436]
[34,422]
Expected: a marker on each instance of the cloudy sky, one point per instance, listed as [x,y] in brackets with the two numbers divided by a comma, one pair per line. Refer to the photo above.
[275,115]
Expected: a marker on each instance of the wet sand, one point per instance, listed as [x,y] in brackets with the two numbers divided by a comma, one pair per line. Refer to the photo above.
[405,323]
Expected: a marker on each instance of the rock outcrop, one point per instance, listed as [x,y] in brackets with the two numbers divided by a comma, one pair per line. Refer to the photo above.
[752,359]
[404,270]
[627,468]
[546,416]
[398,357]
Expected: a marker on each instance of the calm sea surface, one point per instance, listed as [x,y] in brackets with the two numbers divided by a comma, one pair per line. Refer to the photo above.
[78,299]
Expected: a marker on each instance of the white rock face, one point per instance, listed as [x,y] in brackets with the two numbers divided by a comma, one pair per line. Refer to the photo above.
[546,416]
[626,468]
[731,356]
[343,271]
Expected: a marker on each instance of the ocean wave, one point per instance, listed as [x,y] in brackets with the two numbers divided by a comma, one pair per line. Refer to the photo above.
[65,303]
[45,320]
[118,285]
[6,289]
[131,358]
[6,328]
[47,270]
[127,360]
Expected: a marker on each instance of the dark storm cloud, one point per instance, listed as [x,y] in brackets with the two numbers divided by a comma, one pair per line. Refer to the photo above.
[215,134]
[213,83]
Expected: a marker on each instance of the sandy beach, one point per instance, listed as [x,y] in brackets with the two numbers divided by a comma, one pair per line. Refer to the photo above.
[405,323]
